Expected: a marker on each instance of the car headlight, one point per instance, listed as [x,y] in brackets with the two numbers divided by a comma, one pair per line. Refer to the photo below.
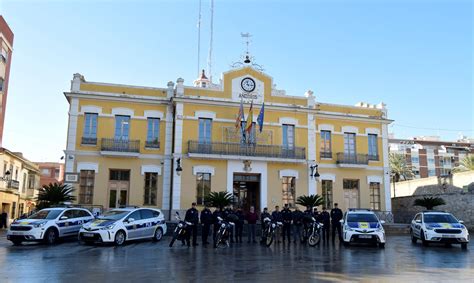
[108,227]
[429,227]
[380,228]
[223,225]
[346,227]
[273,225]
[40,224]
[180,225]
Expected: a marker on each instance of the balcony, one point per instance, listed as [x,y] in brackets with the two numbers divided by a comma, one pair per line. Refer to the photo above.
[89,141]
[13,184]
[120,147]
[152,144]
[325,154]
[246,150]
[352,161]
[373,157]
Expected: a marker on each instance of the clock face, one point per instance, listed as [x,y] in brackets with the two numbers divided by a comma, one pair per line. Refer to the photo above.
[248,84]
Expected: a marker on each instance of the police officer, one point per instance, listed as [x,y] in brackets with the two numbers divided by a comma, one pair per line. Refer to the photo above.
[325,219]
[206,221]
[192,215]
[307,220]
[239,225]
[297,223]
[229,215]
[217,213]
[315,213]
[264,215]
[336,216]
[276,215]
[287,217]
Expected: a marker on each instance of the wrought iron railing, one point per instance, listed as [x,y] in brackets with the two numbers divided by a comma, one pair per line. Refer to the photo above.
[152,144]
[240,149]
[325,154]
[357,159]
[89,141]
[373,157]
[13,184]
[120,145]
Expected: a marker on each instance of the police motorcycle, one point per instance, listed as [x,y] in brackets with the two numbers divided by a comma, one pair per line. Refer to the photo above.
[312,232]
[224,232]
[269,231]
[181,230]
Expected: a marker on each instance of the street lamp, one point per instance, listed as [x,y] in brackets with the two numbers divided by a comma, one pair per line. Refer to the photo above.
[179,169]
[5,177]
[314,171]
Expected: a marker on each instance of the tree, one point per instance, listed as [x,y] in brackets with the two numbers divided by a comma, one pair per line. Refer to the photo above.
[218,199]
[429,202]
[54,194]
[466,164]
[398,169]
[310,201]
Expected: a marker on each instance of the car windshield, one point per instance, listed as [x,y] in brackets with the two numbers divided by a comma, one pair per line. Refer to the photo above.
[45,214]
[440,218]
[114,214]
[361,217]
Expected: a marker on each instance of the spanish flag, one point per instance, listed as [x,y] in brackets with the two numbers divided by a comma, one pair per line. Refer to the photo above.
[249,124]
[240,116]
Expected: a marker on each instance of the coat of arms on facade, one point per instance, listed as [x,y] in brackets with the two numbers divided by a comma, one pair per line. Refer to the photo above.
[247,164]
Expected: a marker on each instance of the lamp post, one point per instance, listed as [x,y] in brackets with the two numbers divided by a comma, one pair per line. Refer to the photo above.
[179,169]
[6,176]
[314,171]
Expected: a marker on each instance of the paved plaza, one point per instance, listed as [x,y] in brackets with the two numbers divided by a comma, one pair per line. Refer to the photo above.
[146,261]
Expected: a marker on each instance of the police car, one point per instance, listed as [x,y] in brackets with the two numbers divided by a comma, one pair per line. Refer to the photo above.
[48,225]
[123,224]
[362,226]
[441,227]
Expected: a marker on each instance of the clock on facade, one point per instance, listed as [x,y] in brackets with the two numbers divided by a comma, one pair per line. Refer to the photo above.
[248,84]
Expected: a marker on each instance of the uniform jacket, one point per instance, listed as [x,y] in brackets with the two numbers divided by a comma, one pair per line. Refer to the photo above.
[286,215]
[277,216]
[206,216]
[192,215]
[297,217]
[336,215]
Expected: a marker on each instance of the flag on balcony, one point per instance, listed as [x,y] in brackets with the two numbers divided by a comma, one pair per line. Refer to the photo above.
[240,116]
[249,124]
[260,118]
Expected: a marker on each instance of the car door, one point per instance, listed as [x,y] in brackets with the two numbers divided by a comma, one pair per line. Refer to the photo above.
[65,223]
[81,216]
[416,225]
[133,227]
[149,223]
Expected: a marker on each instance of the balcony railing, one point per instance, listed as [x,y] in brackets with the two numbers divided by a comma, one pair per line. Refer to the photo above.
[356,159]
[89,141]
[255,150]
[325,154]
[120,145]
[152,144]
[373,157]
[13,184]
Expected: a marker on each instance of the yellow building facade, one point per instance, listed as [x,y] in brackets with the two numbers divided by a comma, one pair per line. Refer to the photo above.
[169,147]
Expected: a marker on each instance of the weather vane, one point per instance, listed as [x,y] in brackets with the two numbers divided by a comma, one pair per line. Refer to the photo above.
[247,59]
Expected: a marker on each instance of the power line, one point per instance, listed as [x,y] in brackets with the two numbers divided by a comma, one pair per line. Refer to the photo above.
[431,129]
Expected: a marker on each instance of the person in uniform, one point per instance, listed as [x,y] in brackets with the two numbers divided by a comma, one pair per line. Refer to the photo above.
[192,215]
[239,225]
[229,216]
[287,217]
[276,215]
[336,216]
[217,213]
[325,219]
[297,223]
[206,222]
[265,214]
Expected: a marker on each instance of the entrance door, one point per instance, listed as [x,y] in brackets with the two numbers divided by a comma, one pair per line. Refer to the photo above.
[247,191]
[119,185]
[351,198]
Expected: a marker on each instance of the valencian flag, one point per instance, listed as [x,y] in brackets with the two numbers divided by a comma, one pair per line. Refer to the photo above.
[260,118]
[240,116]
[249,124]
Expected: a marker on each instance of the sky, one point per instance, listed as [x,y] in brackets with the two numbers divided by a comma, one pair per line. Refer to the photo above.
[414,55]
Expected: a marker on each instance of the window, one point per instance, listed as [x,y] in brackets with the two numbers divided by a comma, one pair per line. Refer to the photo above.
[13,210]
[21,209]
[431,172]
[119,175]
[136,215]
[373,147]
[2,82]
[146,213]
[151,188]
[349,146]
[327,193]
[374,196]
[349,184]
[56,173]
[289,190]
[16,173]
[122,127]
[431,161]
[86,186]
[5,166]
[31,181]
[90,128]
[4,55]
[415,159]
[153,133]
[326,144]
[203,184]
[24,183]
[205,130]
[288,136]
[45,172]
[69,214]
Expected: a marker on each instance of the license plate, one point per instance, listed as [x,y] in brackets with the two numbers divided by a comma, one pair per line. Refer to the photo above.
[449,236]
[365,236]
[88,235]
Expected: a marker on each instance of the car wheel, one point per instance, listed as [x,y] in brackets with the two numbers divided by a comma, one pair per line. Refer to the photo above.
[158,234]
[346,244]
[17,242]
[119,238]
[464,246]
[413,238]
[425,242]
[382,245]
[51,236]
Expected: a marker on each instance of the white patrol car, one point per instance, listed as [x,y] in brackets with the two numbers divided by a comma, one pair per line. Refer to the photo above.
[123,224]
[362,226]
[441,227]
[48,225]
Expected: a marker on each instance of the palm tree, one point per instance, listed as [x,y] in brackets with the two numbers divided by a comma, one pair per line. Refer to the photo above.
[399,169]
[54,194]
[429,202]
[218,199]
[310,201]
[466,164]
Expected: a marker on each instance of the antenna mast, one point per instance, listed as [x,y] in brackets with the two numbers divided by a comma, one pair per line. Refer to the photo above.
[209,59]
[199,40]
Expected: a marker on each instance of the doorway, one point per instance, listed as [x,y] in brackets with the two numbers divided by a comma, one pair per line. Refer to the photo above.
[351,193]
[246,191]
[119,185]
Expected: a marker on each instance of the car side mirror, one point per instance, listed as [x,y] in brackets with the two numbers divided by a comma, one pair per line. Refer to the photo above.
[461,222]
[130,220]
[341,221]
[382,221]
[63,218]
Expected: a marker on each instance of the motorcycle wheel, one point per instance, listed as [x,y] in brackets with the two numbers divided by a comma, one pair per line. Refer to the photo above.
[218,239]
[172,241]
[269,239]
[314,239]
